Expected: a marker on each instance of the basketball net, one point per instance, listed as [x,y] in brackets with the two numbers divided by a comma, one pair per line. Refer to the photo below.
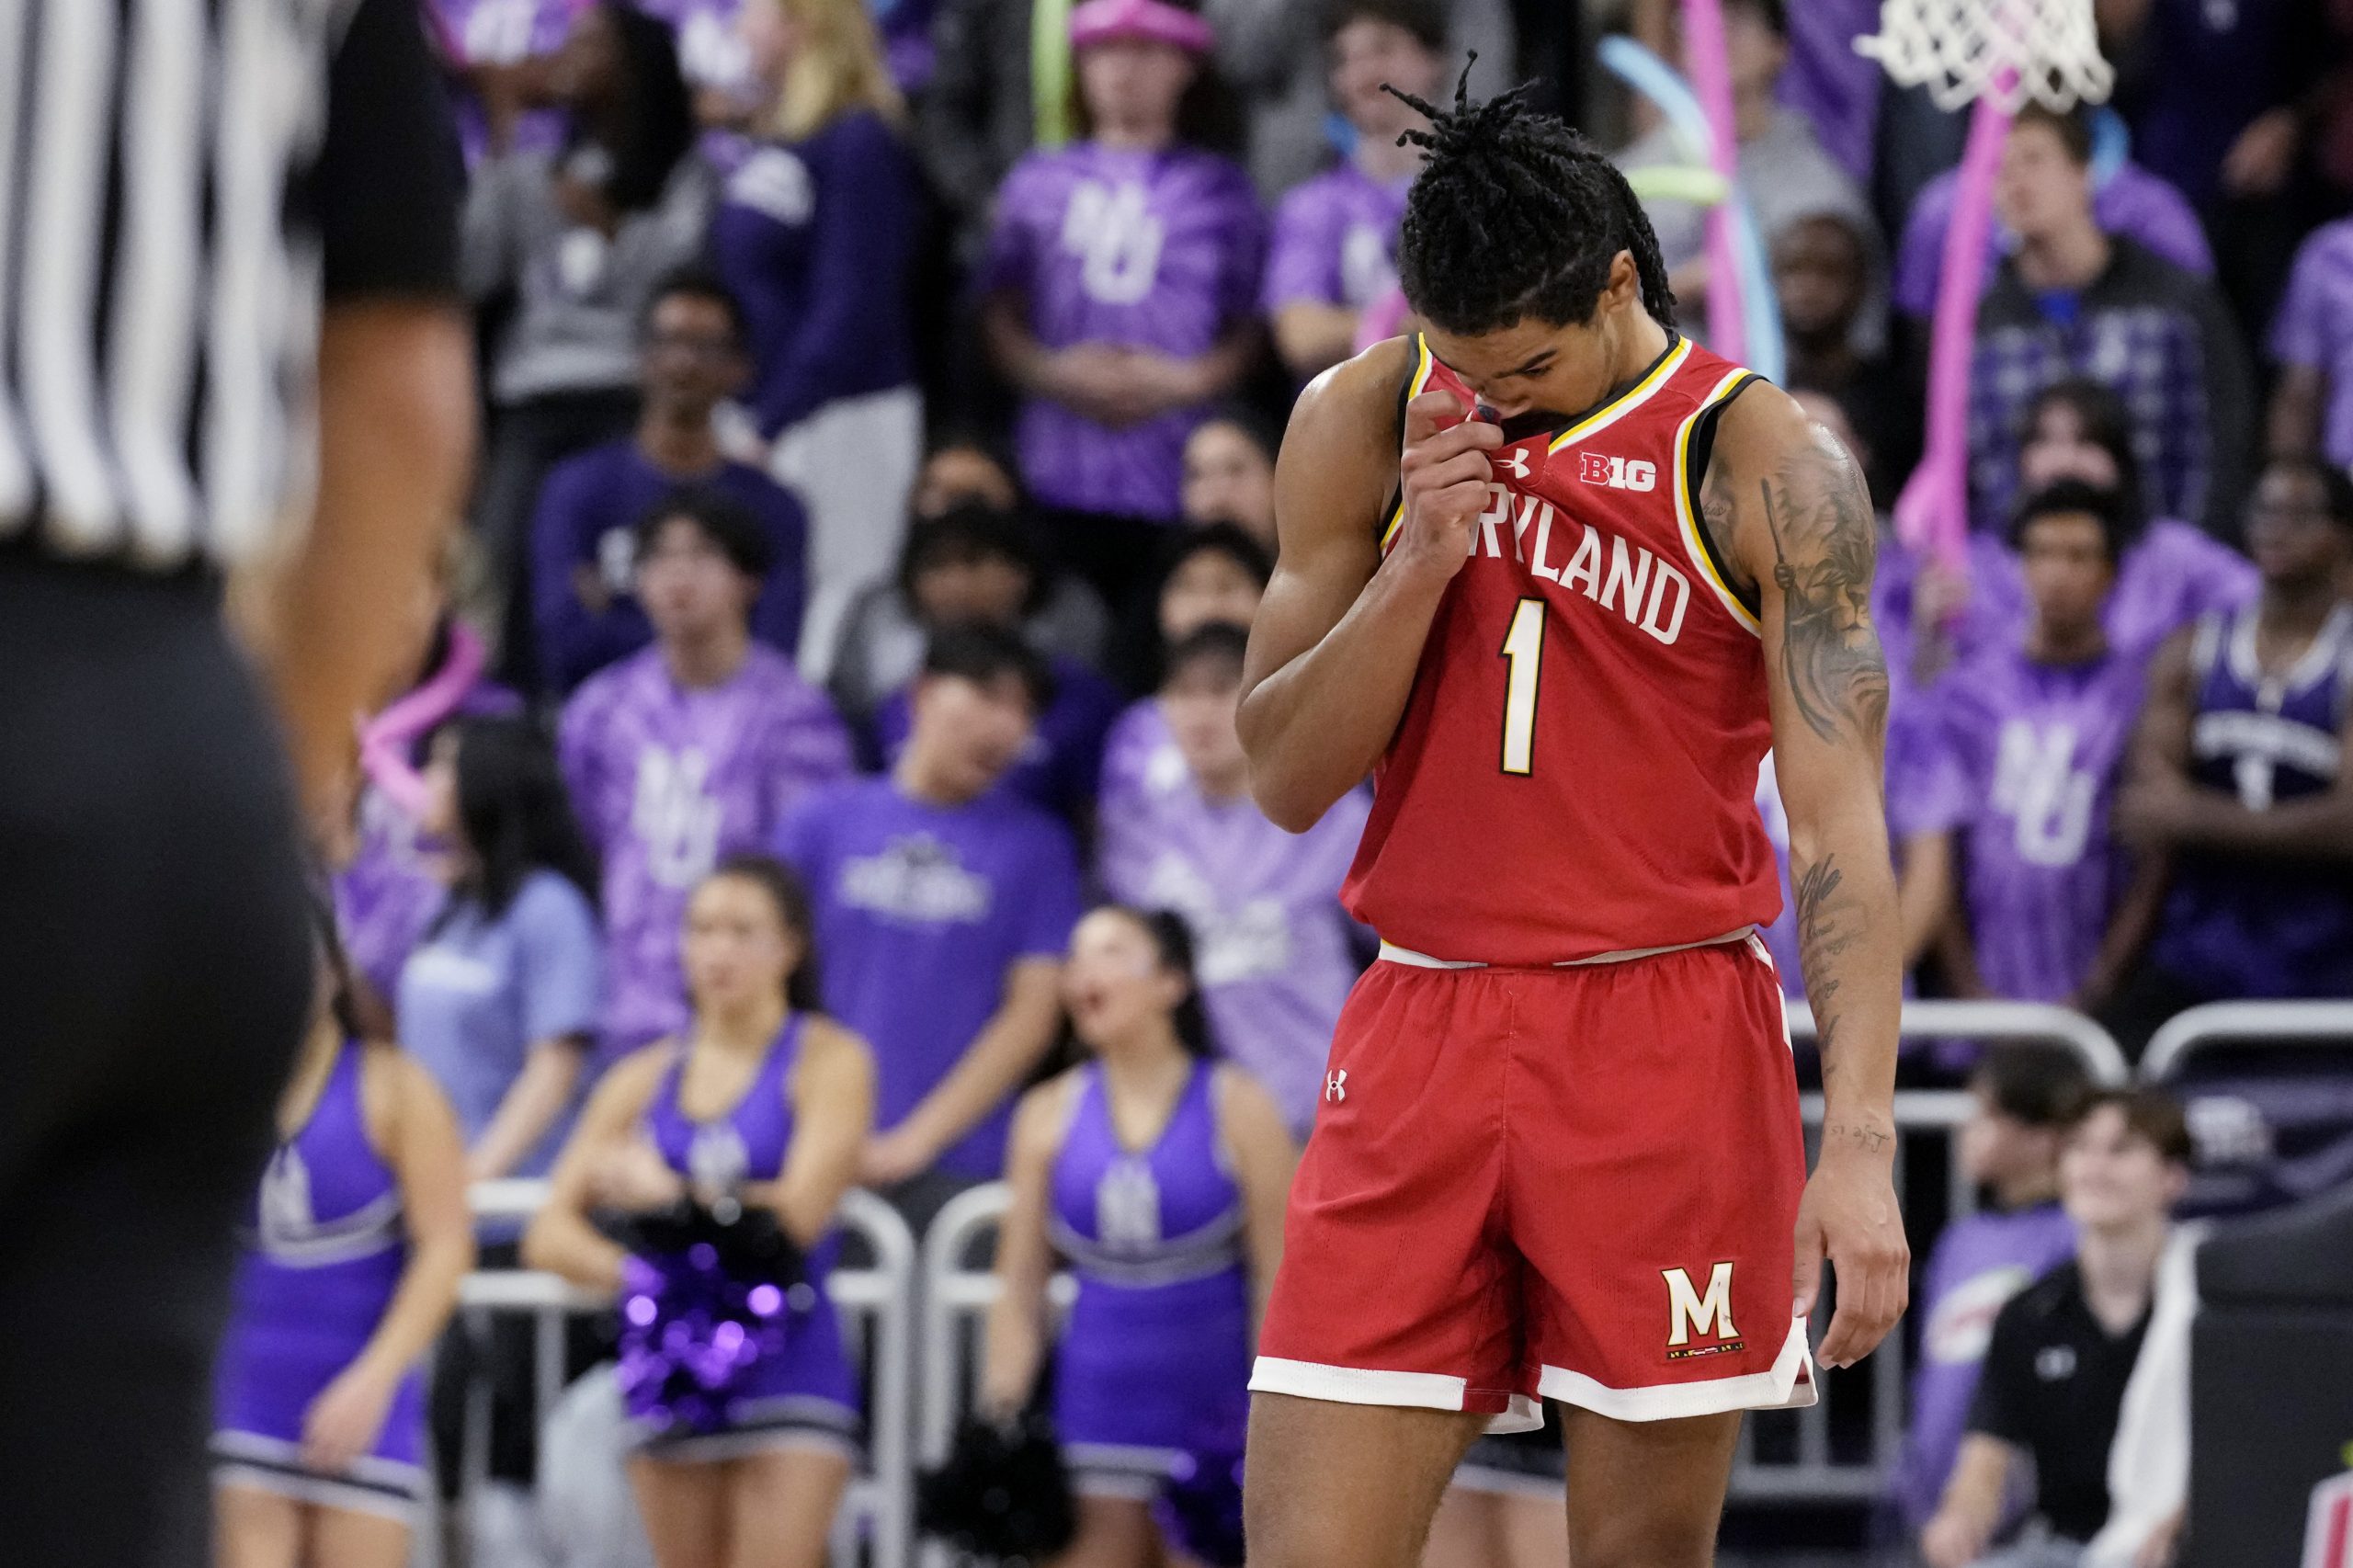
[2005,50]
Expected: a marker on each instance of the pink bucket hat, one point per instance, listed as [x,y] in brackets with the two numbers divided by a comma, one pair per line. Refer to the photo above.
[1155,21]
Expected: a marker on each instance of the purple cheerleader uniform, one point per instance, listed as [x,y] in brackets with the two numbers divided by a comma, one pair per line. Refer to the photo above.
[1153,1366]
[323,1253]
[794,1388]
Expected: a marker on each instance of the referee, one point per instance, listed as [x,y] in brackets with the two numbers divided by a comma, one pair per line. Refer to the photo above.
[230,340]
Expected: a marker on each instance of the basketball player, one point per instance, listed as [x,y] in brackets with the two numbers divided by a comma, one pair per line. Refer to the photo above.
[1558,1154]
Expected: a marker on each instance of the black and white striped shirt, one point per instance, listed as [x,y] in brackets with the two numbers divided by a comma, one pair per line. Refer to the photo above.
[181,182]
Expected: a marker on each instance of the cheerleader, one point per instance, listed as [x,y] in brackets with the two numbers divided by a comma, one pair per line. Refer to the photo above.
[358,1239]
[1160,1175]
[727,1152]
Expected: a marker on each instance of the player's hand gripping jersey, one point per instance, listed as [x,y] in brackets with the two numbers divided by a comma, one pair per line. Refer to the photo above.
[1577,769]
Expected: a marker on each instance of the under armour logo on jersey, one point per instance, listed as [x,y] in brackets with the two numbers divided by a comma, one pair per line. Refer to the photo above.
[1619,473]
[1514,460]
[1335,1085]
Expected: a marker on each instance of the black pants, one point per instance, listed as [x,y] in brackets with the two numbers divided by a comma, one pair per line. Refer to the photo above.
[154,973]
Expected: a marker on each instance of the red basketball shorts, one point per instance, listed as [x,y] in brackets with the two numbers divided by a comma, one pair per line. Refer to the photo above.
[1579,1182]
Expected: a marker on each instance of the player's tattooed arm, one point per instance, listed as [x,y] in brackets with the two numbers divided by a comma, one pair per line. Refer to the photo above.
[1791,506]
[1824,536]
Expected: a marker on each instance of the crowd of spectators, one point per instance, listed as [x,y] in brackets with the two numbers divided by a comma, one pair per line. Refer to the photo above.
[881,418]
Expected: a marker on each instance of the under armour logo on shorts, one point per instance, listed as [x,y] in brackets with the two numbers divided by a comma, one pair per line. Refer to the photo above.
[1335,1085]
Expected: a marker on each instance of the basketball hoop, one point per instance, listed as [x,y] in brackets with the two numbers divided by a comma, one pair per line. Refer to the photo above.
[2005,51]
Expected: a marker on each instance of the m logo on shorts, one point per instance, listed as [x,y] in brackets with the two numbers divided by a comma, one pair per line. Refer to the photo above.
[1691,1314]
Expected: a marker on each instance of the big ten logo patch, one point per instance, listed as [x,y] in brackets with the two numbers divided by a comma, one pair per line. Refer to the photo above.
[674,815]
[1693,1314]
[1618,473]
[1117,239]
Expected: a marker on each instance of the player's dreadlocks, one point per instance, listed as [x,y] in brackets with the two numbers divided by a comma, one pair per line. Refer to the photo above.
[1516,215]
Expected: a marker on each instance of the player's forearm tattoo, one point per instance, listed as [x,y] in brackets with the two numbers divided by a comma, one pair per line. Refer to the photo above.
[1828,924]
[1823,539]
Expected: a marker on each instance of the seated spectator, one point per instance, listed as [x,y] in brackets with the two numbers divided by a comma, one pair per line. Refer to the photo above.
[499,1002]
[2312,342]
[688,751]
[978,567]
[387,884]
[2071,302]
[1212,573]
[2062,1351]
[1276,960]
[581,235]
[1822,281]
[972,562]
[1218,581]
[1120,291]
[959,472]
[943,905]
[1229,475]
[2053,910]
[583,534]
[1333,250]
[2171,572]
[2026,1095]
[2128,202]
[817,236]
[2240,775]
[1783,171]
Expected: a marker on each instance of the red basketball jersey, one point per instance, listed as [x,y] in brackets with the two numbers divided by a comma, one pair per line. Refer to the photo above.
[1576,772]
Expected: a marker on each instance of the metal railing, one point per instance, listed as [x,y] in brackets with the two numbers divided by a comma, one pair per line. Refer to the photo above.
[2267,1022]
[876,1306]
[2103,1057]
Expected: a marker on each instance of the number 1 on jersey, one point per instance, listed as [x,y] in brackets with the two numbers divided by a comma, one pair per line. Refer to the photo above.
[1524,646]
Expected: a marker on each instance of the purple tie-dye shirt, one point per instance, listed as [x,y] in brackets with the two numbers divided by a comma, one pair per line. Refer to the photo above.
[667,780]
[2132,202]
[2039,749]
[1138,249]
[2314,329]
[1334,241]
[1265,906]
[1979,1263]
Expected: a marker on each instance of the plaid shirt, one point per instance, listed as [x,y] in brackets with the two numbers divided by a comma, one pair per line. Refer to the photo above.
[2157,334]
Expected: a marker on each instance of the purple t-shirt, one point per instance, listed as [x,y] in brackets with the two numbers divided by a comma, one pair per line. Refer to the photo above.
[1923,796]
[588,511]
[667,781]
[2039,749]
[921,909]
[2314,328]
[2132,202]
[1263,904]
[1990,619]
[1059,769]
[1979,1263]
[1334,241]
[1150,250]
[818,241]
